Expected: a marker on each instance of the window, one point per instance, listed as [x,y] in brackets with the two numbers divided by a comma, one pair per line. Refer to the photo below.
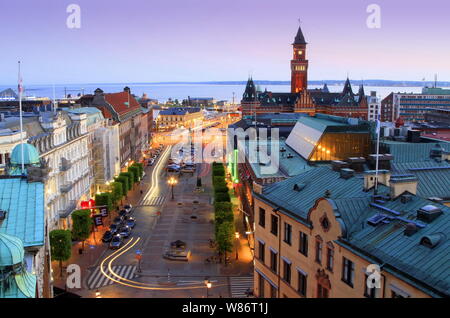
[262,217]
[273,292]
[303,244]
[273,261]
[286,272]
[287,233]
[261,286]
[368,292]
[322,292]
[348,271]
[319,251]
[301,284]
[261,251]
[330,258]
[274,225]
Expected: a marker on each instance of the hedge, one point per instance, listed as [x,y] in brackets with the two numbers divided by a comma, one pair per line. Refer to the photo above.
[220,188]
[130,178]
[222,197]
[140,167]
[219,181]
[136,174]
[117,191]
[223,207]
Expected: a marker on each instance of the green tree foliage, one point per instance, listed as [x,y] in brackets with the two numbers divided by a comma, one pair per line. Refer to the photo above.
[105,198]
[124,181]
[220,188]
[224,237]
[140,166]
[136,174]
[222,197]
[60,246]
[130,177]
[219,181]
[81,225]
[117,192]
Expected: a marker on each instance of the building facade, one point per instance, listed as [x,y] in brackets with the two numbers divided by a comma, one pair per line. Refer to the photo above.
[179,117]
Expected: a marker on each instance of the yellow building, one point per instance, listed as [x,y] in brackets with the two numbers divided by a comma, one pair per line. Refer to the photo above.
[322,233]
[179,117]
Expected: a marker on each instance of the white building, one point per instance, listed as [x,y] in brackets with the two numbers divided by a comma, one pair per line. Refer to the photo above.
[374,106]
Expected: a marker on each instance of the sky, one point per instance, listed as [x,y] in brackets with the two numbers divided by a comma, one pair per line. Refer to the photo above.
[216,40]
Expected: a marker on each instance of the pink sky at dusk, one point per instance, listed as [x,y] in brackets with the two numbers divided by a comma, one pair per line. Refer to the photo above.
[211,40]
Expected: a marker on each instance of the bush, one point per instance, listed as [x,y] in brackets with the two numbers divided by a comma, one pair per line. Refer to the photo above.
[220,188]
[219,181]
[60,246]
[223,207]
[218,172]
[222,216]
[224,237]
[222,197]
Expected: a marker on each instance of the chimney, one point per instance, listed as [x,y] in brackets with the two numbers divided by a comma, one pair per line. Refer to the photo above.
[257,188]
[401,183]
[127,89]
[370,176]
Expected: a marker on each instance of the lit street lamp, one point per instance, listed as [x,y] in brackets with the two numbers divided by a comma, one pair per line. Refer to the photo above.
[172,181]
[236,235]
[208,286]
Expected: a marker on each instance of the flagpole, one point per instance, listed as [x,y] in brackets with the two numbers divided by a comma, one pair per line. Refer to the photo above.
[21,122]
[378,154]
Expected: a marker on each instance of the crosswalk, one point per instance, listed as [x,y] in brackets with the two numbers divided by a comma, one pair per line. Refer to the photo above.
[97,279]
[153,201]
[239,285]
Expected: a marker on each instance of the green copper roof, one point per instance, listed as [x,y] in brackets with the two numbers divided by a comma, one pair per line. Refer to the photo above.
[11,250]
[411,152]
[93,114]
[24,206]
[21,286]
[30,154]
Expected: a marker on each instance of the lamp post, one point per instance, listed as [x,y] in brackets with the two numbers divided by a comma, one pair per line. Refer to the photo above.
[236,235]
[208,285]
[172,182]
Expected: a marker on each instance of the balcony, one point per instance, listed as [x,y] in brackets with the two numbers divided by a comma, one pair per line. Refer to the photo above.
[68,210]
[65,164]
[65,188]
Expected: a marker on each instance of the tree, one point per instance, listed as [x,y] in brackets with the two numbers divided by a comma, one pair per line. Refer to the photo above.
[60,246]
[124,181]
[106,198]
[117,192]
[222,197]
[81,225]
[135,171]
[224,238]
[130,177]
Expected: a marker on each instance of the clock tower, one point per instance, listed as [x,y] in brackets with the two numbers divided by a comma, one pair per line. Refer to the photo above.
[299,64]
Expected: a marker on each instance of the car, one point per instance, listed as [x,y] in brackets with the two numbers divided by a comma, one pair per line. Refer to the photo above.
[128,208]
[122,214]
[151,162]
[116,242]
[131,222]
[125,231]
[107,236]
[114,228]
[118,219]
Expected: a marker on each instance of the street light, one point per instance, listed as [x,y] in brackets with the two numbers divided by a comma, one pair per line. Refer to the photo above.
[208,286]
[97,294]
[172,181]
[236,235]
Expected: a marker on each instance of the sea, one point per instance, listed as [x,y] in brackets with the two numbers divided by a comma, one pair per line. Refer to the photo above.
[164,92]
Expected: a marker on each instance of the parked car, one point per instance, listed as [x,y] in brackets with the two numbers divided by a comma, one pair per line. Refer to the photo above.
[118,219]
[114,228]
[151,162]
[116,242]
[107,237]
[125,231]
[128,208]
[122,214]
[131,222]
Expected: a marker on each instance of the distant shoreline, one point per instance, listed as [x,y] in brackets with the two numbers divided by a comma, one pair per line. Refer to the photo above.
[380,83]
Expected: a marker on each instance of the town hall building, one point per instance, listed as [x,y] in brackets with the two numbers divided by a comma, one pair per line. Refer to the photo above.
[301,99]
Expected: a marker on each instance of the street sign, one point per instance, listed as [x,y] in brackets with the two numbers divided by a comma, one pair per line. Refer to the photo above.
[98,219]
[138,256]
[138,252]
[104,211]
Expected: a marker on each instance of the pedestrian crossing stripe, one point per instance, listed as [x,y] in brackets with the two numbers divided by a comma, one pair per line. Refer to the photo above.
[153,201]
[97,279]
[239,285]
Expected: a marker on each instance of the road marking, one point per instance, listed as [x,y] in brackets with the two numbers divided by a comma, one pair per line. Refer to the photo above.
[239,285]
[97,279]
[154,201]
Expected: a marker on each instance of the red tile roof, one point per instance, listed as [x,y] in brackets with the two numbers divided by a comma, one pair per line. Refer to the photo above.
[118,102]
